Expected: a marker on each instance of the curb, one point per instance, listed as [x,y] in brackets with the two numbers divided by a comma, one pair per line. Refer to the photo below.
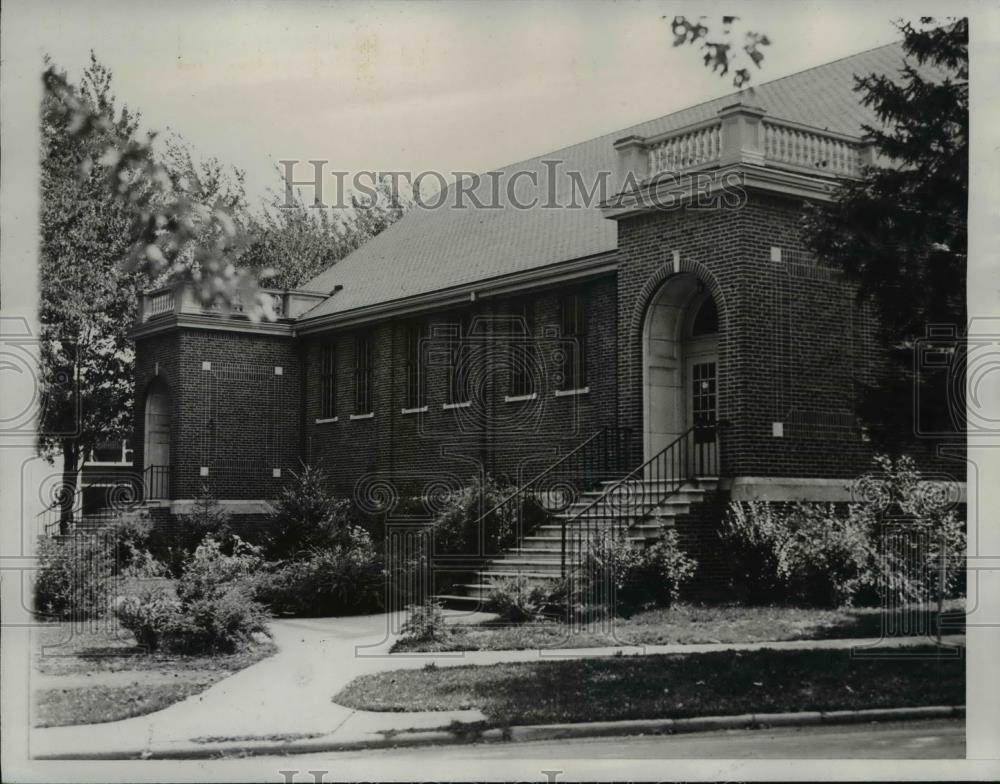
[465,736]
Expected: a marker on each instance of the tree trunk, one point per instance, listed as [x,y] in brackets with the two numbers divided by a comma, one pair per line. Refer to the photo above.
[67,491]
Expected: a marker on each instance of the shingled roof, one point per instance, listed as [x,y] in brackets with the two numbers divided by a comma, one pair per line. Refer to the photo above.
[434,249]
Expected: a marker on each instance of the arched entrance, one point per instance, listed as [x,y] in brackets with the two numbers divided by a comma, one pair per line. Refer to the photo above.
[156,449]
[680,364]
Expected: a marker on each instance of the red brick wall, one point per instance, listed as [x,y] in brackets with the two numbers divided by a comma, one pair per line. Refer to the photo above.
[239,419]
[792,340]
[793,344]
[444,448]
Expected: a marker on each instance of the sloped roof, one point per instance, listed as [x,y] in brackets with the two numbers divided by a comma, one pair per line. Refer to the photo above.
[432,249]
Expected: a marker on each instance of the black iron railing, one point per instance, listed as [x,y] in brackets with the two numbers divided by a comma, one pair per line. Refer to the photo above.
[600,456]
[156,483]
[695,453]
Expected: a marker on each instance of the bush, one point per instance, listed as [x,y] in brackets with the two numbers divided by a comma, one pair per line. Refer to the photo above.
[174,544]
[479,506]
[425,623]
[76,576]
[829,555]
[515,601]
[344,579]
[131,532]
[829,559]
[628,578]
[308,515]
[151,615]
[213,609]
[755,535]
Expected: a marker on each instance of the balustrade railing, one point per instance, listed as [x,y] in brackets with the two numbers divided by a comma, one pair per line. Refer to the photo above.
[747,135]
[284,304]
[812,149]
[687,149]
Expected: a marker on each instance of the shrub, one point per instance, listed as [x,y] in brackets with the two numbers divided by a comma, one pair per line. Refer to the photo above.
[131,532]
[828,558]
[515,601]
[345,579]
[479,506]
[628,578]
[754,535]
[830,555]
[211,572]
[76,575]
[174,544]
[425,623]
[151,614]
[307,515]
[213,609]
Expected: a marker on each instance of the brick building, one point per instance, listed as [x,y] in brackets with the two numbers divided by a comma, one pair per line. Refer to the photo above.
[505,333]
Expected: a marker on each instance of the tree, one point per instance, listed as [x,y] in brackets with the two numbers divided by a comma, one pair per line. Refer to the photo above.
[292,243]
[87,299]
[175,234]
[93,228]
[723,47]
[899,232]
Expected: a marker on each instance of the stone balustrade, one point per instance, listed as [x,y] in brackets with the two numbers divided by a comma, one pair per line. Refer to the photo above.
[286,304]
[741,134]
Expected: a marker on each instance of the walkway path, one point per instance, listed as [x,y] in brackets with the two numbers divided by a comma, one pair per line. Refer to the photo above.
[289,694]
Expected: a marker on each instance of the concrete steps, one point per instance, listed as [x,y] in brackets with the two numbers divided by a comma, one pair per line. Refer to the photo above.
[538,559]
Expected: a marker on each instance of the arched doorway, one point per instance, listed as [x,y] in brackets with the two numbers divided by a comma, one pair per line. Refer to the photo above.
[156,449]
[680,365]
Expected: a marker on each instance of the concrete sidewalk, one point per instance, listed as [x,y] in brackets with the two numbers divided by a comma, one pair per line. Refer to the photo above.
[287,698]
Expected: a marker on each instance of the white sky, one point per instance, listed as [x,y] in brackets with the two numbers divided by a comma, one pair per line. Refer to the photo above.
[428,85]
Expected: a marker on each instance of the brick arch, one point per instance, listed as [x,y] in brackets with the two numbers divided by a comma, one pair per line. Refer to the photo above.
[633,351]
[159,381]
[653,285]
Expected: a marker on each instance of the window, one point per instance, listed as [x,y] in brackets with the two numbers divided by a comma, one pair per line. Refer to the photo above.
[573,318]
[416,377]
[460,354]
[523,367]
[706,320]
[328,382]
[363,374]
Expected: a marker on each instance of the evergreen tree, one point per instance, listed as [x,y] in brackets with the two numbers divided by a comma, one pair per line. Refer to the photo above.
[899,233]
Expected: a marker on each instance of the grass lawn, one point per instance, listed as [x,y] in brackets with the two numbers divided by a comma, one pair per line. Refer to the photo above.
[665,686]
[97,673]
[683,624]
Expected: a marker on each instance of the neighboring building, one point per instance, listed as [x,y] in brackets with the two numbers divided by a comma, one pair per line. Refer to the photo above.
[500,339]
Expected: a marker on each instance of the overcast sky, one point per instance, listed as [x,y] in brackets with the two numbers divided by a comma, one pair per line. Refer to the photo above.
[432,85]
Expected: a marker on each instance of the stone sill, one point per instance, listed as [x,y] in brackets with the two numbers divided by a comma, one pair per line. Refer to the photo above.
[520,398]
[572,392]
[449,406]
[418,410]
[325,421]
[370,415]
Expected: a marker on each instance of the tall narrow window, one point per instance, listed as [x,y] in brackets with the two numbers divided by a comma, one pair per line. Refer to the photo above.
[523,367]
[416,377]
[363,374]
[328,382]
[458,386]
[573,315]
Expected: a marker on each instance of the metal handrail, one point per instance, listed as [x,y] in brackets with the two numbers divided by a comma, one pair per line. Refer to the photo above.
[157,486]
[689,468]
[579,450]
